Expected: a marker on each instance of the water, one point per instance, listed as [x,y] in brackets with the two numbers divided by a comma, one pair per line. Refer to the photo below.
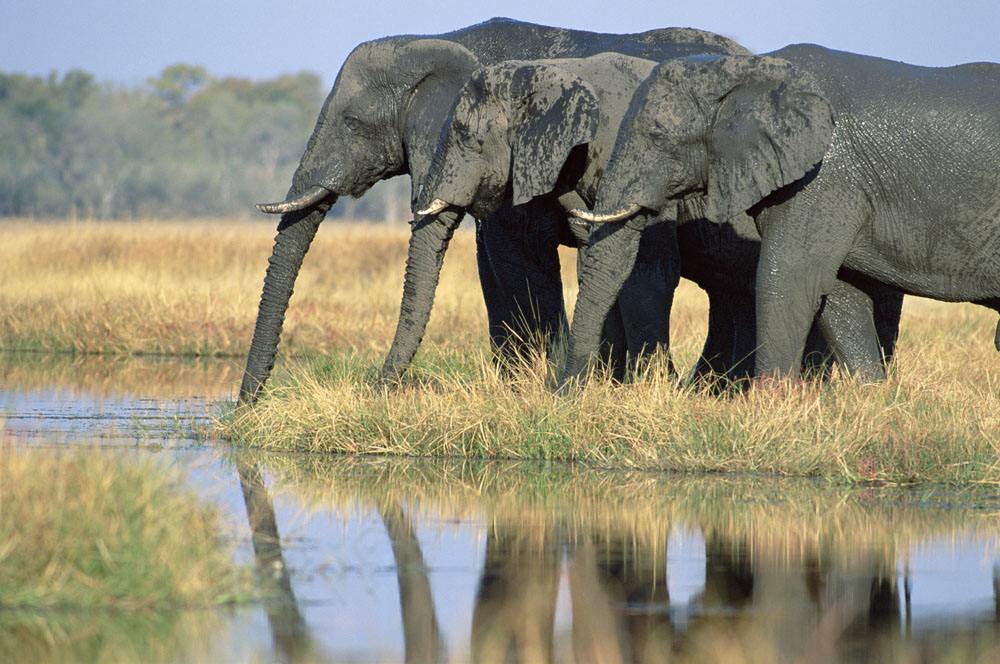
[388,559]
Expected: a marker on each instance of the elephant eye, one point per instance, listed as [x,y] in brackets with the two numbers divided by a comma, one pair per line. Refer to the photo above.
[465,137]
[354,125]
[658,132]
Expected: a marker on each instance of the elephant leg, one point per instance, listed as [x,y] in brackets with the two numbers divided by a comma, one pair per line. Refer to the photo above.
[729,348]
[818,356]
[614,353]
[647,296]
[801,253]
[887,305]
[716,354]
[521,248]
[493,296]
[847,322]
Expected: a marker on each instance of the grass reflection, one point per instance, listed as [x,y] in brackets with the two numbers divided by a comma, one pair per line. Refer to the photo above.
[793,570]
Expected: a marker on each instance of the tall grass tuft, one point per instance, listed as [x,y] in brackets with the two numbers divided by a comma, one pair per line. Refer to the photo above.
[80,529]
[917,427]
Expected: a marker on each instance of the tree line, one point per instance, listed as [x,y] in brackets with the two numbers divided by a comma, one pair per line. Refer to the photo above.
[184,144]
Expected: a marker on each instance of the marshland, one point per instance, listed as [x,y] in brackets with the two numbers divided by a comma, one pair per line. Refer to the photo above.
[121,449]
[464,509]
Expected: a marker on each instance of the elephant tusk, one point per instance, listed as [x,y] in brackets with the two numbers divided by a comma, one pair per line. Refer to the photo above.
[592,217]
[436,206]
[311,197]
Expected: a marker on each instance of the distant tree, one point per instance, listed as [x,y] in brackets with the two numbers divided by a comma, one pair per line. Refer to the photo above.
[186,144]
[177,83]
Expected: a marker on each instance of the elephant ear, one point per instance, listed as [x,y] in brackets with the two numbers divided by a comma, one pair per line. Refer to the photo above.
[434,70]
[551,112]
[771,127]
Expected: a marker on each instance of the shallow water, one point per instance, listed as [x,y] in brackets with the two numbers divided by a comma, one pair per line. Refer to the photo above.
[388,559]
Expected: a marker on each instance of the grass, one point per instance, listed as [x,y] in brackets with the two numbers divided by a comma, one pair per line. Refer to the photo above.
[82,530]
[193,287]
[933,421]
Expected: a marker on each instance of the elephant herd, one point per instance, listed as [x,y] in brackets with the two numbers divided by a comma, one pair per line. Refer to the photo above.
[805,190]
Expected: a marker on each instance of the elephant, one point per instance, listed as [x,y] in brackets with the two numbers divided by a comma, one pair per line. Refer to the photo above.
[536,134]
[540,133]
[849,165]
[382,118]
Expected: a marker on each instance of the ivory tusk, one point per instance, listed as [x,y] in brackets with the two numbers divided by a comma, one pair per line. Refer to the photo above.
[436,206]
[592,217]
[312,196]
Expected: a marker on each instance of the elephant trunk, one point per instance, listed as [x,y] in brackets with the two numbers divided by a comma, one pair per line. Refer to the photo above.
[428,244]
[610,258]
[295,233]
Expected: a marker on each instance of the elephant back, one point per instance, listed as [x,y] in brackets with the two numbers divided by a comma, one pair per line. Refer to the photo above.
[502,39]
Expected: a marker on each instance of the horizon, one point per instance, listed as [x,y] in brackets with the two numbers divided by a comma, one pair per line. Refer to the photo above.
[125,44]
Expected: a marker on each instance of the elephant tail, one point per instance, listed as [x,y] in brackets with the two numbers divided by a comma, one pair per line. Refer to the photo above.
[996,337]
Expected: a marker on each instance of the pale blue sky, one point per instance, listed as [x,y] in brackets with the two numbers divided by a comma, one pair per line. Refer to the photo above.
[128,40]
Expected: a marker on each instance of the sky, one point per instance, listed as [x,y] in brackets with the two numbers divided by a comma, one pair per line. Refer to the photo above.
[126,41]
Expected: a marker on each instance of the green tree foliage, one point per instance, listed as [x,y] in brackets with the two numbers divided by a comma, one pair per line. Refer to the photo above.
[184,144]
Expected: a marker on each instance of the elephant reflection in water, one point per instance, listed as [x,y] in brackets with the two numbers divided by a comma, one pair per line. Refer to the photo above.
[289,633]
[618,596]
[796,601]
[800,602]
[514,616]
[621,607]
[421,634]
[288,628]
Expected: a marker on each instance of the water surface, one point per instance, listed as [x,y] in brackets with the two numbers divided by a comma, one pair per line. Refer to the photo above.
[402,559]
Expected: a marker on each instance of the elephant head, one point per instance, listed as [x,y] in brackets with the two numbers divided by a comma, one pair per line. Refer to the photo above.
[381,119]
[720,132]
[730,129]
[513,125]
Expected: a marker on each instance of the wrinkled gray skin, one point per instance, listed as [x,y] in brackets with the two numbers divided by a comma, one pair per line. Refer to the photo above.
[540,132]
[722,259]
[514,133]
[850,165]
[383,118]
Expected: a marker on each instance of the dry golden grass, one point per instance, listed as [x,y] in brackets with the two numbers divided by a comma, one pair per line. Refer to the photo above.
[936,419]
[193,287]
